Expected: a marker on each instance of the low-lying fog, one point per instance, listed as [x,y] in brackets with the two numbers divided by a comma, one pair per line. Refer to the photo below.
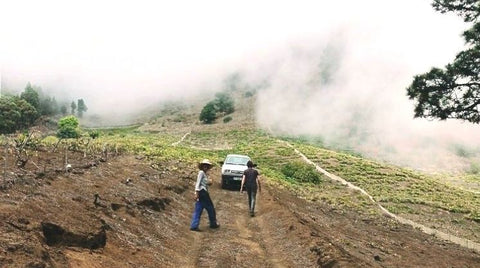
[331,69]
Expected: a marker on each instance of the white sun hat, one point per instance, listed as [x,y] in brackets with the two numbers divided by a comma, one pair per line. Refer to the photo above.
[206,162]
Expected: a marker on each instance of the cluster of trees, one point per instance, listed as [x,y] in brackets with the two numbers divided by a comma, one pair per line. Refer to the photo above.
[453,91]
[20,112]
[222,105]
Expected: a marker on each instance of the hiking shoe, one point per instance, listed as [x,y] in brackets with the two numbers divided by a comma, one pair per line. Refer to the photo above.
[215,226]
[195,229]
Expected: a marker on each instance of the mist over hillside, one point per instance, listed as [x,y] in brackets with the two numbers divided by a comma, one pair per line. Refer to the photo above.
[356,101]
[319,69]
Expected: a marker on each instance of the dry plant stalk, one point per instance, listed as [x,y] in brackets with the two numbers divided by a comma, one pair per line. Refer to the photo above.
[105,152]
[86,149]
[65,164]
[20,149]
[5,163]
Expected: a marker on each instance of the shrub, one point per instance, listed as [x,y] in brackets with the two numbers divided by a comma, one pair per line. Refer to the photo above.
[68,127]
[462,151]
[49,140]
[224,103]
[208,113]
[301,172]
[94,134]
[474,168]
[227,119]
[248,94]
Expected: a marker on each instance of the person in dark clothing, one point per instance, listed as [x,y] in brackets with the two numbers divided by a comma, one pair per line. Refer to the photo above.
[202,198]
[250,180]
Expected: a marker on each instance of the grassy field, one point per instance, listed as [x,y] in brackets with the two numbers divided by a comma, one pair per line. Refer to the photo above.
[396,187]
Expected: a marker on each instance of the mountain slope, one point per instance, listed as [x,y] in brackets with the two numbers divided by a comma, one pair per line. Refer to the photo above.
[127,202]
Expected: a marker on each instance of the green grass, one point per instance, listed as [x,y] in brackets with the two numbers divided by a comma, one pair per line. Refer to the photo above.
[394,185]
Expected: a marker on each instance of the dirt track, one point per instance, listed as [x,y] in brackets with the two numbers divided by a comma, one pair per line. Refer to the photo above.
[245,241]
[145,223]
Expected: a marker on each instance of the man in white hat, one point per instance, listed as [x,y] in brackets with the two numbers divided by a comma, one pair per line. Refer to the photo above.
[202,198]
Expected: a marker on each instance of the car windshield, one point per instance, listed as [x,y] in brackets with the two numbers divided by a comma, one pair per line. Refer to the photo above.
[237,160]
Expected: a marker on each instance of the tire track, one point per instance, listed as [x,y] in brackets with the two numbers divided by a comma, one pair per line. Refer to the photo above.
[241,241]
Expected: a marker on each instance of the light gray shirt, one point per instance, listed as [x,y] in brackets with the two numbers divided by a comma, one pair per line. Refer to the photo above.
[202,181]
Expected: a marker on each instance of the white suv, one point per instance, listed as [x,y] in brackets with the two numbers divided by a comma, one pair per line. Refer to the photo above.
[233,168]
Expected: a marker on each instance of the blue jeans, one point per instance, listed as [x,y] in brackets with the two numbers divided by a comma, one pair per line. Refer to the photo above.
[204,202]
[252,194]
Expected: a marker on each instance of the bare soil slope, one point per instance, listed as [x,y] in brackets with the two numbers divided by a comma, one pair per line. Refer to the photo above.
[127,212]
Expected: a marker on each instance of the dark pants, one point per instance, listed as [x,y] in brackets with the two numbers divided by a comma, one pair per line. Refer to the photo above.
[204,202]
[252,195]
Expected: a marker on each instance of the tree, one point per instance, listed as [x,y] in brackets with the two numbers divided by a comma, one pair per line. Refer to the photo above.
[468,9]
[63,109]
[48,106]
[73,106]
[81,107]
[453,92]
[9,115]
[224,103]
[68,127]
[15,113]
[208,113]
[28,114]
[31,96]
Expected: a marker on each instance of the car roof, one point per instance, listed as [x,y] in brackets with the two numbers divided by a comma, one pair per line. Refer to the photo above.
[238,155]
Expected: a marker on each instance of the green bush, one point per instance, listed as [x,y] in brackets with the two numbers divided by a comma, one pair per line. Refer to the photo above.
[248,94]
[224,103]
[94,134]
[301,172]
[208,114]
[68,127]
[227,119]
[474,168]
[462,151]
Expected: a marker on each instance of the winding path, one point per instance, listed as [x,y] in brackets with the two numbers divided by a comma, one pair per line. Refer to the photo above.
[449,237]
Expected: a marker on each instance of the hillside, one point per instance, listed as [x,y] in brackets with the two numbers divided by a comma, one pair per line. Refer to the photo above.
[127,202]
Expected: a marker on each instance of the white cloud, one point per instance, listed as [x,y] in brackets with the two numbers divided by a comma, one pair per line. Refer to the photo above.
[130,52]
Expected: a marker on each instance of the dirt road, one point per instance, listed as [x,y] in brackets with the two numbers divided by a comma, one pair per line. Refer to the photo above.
[244,241]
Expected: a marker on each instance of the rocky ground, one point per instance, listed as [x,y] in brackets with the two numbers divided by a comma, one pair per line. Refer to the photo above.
[127,212]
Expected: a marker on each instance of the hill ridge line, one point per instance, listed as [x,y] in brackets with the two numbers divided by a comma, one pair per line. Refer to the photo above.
[445,236]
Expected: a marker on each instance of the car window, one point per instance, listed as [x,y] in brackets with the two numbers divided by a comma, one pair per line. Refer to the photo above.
[236,160]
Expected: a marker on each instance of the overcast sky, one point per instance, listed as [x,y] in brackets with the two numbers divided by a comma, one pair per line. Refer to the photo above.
[159,47]
[130,53]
